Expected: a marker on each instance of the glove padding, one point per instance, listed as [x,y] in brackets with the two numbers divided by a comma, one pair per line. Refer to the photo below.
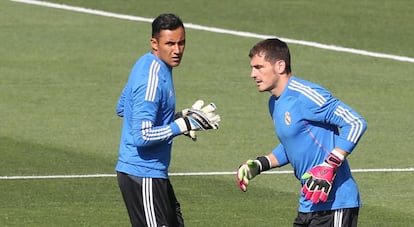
[320,179]
[195,119]
[246,172]
[205,120]
[197,105]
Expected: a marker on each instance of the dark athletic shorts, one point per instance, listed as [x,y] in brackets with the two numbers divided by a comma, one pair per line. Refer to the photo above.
[150,202]
[331,218]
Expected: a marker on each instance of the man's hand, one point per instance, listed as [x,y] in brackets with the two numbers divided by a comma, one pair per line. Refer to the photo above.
[197,105]
[320,179]
[206,118]
[197,118]
[246,172]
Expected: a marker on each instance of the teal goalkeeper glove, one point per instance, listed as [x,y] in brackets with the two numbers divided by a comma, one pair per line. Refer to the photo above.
[246,172]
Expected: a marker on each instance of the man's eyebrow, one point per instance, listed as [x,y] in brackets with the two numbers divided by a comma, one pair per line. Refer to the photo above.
[174,42]
[257,66]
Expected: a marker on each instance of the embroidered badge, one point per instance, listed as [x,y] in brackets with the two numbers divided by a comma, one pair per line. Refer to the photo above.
[288,120]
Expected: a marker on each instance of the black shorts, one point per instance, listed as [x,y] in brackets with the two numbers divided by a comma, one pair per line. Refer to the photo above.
[331,218]
[150,202]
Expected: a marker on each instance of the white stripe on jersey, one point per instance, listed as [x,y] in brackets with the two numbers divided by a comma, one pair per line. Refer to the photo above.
[148,202]
[154,134]
[308,92]
[338,216]
[152,81]
[355,122]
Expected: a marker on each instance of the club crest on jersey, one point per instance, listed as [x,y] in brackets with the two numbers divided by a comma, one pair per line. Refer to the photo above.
[288,120]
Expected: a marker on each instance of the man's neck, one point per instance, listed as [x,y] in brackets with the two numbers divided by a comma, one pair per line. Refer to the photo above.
[281,85]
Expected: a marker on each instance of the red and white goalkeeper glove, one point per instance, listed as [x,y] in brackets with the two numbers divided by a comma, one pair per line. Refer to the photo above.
[320,178]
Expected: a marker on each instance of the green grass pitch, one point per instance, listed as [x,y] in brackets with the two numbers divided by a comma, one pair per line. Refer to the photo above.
[61,74]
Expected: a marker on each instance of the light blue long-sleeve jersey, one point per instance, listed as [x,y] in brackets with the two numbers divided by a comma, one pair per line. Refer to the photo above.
[309,123]
[147,105]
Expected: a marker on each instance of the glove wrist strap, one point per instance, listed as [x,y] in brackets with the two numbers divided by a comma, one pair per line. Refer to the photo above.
[264,163]
[335,159]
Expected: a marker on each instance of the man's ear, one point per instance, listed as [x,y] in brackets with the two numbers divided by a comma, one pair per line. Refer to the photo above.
[280,66]
[154,44]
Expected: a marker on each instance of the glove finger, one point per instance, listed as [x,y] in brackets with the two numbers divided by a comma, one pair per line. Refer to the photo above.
[241,178]
[323,197]
[184,112]
[316,196]
[244,183]
[241,173]
[198,104]
[242,187]
[308,195]
[215,118]
[305,190]
[209,108]
[192,135]
[210,115]
[245,180]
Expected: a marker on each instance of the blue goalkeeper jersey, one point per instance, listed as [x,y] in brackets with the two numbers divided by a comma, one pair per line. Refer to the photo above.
[309,123]
[147,105]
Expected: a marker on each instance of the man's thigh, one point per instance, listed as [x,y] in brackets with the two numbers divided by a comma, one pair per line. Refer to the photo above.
[150,201]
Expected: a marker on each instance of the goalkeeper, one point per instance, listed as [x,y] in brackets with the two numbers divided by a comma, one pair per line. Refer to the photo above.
[147,106]
[316,133]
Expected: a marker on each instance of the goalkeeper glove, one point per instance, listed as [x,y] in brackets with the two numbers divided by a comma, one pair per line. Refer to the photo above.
[250,169]
[199,119]
[246,172]
[319,179]
[197,105]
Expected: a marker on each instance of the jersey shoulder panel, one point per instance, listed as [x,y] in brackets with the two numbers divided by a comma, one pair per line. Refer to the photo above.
[146,75]
[308,93]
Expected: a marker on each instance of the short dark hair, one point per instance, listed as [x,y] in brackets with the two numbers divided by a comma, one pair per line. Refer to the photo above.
[166,21]
[273,50]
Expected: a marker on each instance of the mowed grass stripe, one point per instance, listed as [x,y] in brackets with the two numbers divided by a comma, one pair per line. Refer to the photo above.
[222,31]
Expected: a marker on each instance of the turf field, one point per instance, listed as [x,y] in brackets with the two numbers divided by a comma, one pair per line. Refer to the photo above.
[61,73]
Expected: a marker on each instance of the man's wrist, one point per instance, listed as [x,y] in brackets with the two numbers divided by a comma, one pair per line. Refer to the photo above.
[178,127]
[264,163]
[335,159]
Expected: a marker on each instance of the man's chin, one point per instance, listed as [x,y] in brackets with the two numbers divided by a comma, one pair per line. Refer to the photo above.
[262,89]
[175,63]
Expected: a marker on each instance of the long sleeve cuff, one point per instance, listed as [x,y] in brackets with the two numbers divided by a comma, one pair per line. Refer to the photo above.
[175,129]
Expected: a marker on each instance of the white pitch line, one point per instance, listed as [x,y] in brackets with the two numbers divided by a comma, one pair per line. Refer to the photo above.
[221,31]
[190,174]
